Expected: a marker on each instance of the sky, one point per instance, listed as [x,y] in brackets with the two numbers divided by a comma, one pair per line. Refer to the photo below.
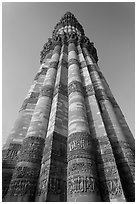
[27,26]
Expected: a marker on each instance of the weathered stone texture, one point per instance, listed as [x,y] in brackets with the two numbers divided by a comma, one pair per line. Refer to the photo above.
[52,186]
[33,144]
[70,141]
[106,171]
[79,184]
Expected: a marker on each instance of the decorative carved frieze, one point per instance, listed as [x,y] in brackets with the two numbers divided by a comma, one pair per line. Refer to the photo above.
[78,143]
[47,90]
[24,179]
[81,184]
[112,189]
[73,61]
[9,156]
[53,64]
[50,45]
[46,48]
[64,39]
[80,146]
[25,173]
[73,38]
[78,135]
[75,86]
[105,158]
[85,42]
[31,150]
[88,90]
[66,20]
[21,187]
[57,40]
[108,171]
[81,167]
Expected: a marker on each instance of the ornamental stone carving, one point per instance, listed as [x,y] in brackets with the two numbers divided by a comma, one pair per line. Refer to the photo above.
[114,188]
[21,187]
[31,150]
[80,146]
[46,48]
[10,155]
[73,61]
[75,86]
[47,90]
[81,167]
[25,172]
[53,64]
[81,184]
[68,20]
[88,90]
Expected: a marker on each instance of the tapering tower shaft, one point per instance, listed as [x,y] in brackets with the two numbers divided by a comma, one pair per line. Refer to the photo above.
[71,141]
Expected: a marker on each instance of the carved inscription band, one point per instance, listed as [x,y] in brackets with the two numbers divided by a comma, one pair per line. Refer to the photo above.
[81,184]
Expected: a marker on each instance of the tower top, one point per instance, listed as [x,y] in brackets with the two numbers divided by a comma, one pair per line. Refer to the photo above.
[68,24]
[68,13]
[66,30]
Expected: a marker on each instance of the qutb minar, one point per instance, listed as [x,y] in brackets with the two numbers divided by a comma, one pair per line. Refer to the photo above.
[70,141]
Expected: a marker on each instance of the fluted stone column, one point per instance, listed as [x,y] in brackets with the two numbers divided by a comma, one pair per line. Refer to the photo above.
[52,179]
[118,112]
[24,180]
[81,171]
[109,180]
[21,125]
[124,155]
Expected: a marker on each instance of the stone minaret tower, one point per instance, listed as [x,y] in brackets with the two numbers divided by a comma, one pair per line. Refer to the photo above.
[70,141]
